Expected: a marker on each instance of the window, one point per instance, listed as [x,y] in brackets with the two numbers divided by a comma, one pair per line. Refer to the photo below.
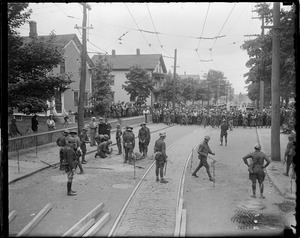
[62,67]
[112,78]
[76,99]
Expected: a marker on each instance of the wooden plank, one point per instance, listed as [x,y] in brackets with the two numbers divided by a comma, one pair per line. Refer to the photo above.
[183,223]
[25,231]
[178,218]
[85,228]
[95,228]
[11,216]
[84,220]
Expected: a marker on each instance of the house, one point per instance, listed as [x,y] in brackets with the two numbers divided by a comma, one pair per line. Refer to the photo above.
[67,101]
[121,64]
[195,77]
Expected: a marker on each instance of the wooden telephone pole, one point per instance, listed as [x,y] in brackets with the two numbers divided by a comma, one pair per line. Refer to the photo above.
[174,78]
[275,123]
[82,96]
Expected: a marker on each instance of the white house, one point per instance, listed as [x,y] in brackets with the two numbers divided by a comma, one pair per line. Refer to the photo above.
[121,64]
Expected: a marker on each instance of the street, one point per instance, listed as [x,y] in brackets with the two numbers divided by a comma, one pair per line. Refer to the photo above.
[152,209]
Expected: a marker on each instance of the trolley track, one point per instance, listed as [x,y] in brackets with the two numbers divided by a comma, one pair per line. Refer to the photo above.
[115,228]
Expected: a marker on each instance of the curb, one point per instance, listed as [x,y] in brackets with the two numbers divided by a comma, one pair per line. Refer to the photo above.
[56,164]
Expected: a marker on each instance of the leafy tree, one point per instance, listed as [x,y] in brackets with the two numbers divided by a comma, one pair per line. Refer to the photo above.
[31,81]
[139,84]
[101,80]
[260,57]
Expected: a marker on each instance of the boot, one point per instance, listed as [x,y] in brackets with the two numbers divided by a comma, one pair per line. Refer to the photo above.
[162,180]
[70,192]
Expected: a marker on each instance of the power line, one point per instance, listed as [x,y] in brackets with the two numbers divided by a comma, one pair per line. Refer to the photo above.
[203,25]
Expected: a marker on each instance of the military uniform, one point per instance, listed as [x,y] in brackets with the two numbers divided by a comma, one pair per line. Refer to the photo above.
[144,139]
[118,139]
[289,154]
[224,129]
[61,142]
[256,168]
[203,151]
[103,149]
[160,157]
[128,144]
[69,161]
[83,139]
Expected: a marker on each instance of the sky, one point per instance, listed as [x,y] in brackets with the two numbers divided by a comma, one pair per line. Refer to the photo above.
[207,36]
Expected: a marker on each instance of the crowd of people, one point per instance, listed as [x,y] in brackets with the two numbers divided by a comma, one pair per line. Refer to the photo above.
[236,117]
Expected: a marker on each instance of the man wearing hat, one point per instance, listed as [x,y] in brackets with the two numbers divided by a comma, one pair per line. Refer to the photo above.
[83,139]
[203,152]
[93,130]
[128,144]
[75,141]
[144,139]
[160,157]
[289,154]
[256,169]
[103,149]
[100,139]
[224,129]
[118,138]
[61,142]
[69,159]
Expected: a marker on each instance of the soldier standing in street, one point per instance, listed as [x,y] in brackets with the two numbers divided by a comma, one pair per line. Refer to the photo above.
[118,139]
[69,162]
[77,149]
[61,142]
[289,154]
[203,152]
[160,157]
[128,144]
[224,129]
[144,139]
[256,169]
[83,139]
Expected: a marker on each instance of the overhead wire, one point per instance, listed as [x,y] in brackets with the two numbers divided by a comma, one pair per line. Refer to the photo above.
[138,26]
[161,46]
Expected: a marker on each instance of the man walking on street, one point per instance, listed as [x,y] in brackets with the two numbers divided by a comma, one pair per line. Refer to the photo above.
[256,169]
[160,157]
[224,129]
[203,152]
[289,154]
[144,139]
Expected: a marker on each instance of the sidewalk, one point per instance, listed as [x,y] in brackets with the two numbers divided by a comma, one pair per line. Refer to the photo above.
[285,185]
[33,160]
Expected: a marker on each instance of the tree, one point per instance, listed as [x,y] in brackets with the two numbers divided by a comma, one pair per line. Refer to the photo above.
[139,84]
[101,80]
[260,56]
[31,81]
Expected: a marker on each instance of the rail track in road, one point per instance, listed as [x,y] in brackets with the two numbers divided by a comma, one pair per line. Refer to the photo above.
[134,222]
[115,225]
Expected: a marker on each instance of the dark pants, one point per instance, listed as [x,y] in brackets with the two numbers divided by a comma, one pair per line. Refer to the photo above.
[159,169]
[128,154]
[203,162]
[143,146]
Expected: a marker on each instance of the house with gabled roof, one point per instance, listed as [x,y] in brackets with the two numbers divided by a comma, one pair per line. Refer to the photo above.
[121,64]
[71,47]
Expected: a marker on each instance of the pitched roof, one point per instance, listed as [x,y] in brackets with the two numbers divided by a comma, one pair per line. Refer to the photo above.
[124,62]
[61,41]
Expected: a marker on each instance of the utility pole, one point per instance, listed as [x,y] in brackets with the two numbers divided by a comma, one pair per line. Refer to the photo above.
[262,83]
[275,123]
[174,78]
[82,69]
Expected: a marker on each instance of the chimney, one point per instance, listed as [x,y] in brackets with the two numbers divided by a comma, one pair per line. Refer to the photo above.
[32,31]
[113,52]
[137,51]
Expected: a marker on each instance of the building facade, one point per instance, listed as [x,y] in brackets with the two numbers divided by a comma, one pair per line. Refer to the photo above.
[121,64]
